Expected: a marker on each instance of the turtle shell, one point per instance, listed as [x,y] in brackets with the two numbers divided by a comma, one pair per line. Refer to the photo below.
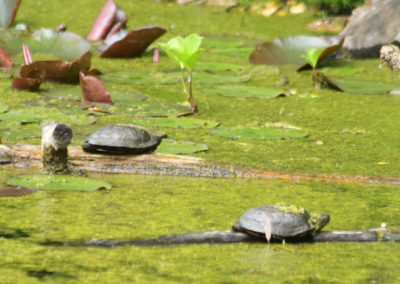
[283,223]
[121,139]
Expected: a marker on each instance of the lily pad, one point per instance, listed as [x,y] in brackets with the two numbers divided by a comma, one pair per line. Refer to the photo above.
[262,133]
[40,114]
[75,93]
[169,146]
[148,109]
[176,123]
[58,183]
[20,132]
[290,49]
[3,108]
[365,87]
[65,45]
[216,66]
[245,92]
[205,78]
[241,52]
[341,71]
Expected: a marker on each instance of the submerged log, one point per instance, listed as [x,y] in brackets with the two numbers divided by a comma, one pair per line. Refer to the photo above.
[219,237]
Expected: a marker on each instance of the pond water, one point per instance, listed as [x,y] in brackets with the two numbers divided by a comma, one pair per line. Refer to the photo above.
[348,134]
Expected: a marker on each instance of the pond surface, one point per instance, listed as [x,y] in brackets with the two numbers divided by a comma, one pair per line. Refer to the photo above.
[348,134]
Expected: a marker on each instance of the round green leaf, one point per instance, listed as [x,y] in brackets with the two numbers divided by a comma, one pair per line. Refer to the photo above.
[75,93]
[365,87]
[263,133]
[168,146]
[58,182]
[245,92]
[175,122]
[40,114]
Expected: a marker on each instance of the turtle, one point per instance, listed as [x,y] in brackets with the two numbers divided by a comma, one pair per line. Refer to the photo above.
[121,139]
[284,221]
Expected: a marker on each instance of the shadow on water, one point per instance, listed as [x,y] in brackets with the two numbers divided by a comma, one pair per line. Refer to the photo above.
[10,233]
[44,274]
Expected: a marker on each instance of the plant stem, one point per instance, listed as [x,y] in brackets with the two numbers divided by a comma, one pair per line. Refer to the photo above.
[183,82]
[191,99]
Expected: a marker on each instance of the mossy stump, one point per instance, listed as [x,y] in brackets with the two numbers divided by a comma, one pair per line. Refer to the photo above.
[55,140]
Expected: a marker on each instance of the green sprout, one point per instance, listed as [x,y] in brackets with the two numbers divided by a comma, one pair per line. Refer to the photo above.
[185,52]
[312,55]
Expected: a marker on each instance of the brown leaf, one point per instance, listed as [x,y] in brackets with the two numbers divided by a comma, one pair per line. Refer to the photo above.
[103,22]
[27,84]
[5,60]
[323,81]
[93,90]
[57,70]
[130,43]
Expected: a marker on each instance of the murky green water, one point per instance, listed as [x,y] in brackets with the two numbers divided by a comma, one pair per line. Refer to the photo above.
[147,206]
[359,135]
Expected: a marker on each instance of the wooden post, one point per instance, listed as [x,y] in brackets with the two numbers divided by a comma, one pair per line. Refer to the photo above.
[55,140]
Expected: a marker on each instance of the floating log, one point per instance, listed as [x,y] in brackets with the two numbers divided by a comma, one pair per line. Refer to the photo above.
[175,165]
[220,237]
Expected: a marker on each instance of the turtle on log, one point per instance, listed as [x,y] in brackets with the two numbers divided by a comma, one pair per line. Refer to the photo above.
[121,139]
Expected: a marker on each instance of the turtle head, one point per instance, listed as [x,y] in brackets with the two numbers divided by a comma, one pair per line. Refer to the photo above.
[318,221]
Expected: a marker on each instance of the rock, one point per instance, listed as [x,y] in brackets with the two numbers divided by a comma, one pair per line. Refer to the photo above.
[375,24]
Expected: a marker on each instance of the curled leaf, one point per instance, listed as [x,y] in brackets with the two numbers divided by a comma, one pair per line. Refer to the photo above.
[57,70]
[5,60]
[130,43]
[26,84]
[8,10]
[103,22]
[93,90]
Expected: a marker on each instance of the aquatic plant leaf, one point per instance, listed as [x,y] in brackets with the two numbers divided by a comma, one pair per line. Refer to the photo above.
[93,90]
[206,78]
[217,66]
[15,191]
[40,114]
[341,71]
[148,109]
[130,43]
[289,50]
[58,183]
[184,51]
[75,93]
[103,22]
[312,55]
[169,146]
[172,122]
[365,87]
[263,133]
[245,92]
[238,52]
[3,108]
[57,70]
[8,10]
[65,45]
[26,84]
[20,132]
[5,60]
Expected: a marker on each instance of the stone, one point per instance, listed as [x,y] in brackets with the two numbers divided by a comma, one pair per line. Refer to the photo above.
[372,25]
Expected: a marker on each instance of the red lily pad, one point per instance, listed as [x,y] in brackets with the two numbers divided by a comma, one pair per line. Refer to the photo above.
[5,60]
[290,49]
[57,70]
[93,90]
[103,22]
[8,10]
[26,84]
[130,43]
